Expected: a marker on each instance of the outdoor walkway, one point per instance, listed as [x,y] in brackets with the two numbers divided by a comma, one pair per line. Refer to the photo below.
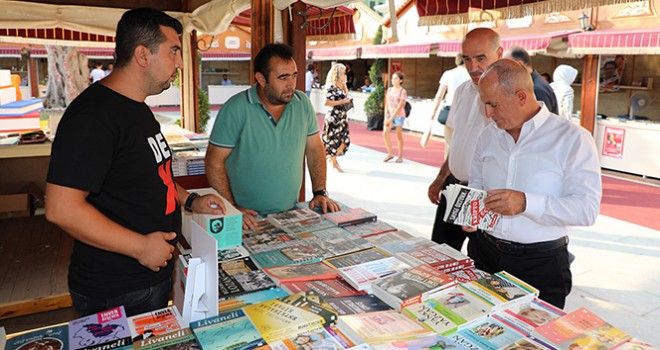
[616,273]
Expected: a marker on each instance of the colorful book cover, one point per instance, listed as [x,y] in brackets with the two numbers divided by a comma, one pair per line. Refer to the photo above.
[411,286]
[20,107]
[465,207]
[228,331]
[357,304]
[302,272]
[182,339]
[361,276]
[491,334]
[286,218]
[298,253]
[241,276]
[458,307]
[239,301]
[103,330]
[267,240]
[437,258]
[351,216]
[341,246]
[380,326]
[468,274]
[51,338]
[328,338]
[390,237]
[501,290]
[529,316]
[307,226]
[356,258]
[368,229]
[431,342]
[154,323]
[315,303]
[581,329]
[331,288]
[276,320]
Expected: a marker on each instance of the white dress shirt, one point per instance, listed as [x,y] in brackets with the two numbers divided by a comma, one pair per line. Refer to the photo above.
[453,78]
[554,162]
[467,118]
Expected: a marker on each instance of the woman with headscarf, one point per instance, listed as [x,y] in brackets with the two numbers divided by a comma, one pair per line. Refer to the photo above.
[563,77]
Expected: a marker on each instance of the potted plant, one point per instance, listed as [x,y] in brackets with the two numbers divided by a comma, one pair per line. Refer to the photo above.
[373,106]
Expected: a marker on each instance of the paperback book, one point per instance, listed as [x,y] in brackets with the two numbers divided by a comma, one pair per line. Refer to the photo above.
[405,246]
[369,229]
[227,331]
[308,225]
[315,303]
[501,290]
[430,342]
[529,316]
[489,334]
[103,330]
[289,217]
[331,288]
[276,320]
[390,237]
[300,252]
[357,304]
[52,338]
[440,257]
[356,258]
[239,301]
[468,274]
[302,272]
[411,286]
[154,323]
[267,240]
[351,216]
[465,207]
[361,276]
[380,326]
[182,339]
[241,276]
[329,338]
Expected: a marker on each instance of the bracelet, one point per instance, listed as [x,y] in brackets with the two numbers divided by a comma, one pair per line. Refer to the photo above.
[191,198]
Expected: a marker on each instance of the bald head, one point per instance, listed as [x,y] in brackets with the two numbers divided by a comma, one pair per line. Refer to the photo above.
[481,47]
[507,91]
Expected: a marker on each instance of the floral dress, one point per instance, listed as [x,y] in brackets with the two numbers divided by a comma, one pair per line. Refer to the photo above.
[335,128]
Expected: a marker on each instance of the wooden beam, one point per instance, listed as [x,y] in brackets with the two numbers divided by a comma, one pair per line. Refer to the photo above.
[589,92]
[34,78]
[194,59]
[262,28]
[33,306]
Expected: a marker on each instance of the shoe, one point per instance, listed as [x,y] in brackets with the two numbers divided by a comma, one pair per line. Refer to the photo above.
[388,158]
[399,160]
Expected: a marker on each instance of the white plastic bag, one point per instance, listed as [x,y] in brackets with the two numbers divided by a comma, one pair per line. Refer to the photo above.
[426,136]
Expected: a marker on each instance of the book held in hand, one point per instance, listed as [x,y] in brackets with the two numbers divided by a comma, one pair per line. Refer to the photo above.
[465,207]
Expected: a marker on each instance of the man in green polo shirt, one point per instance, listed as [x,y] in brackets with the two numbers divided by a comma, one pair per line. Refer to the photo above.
[260,139]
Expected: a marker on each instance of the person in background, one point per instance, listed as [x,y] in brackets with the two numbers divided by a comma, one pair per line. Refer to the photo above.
[97,73]
[481,47]
[226,81]
[261,138]
[350,76]
[537,201]
[336,138]
[109,70]
[564,76]
[309,79]
[110,183]
[546,77]
[395,116]
[449,82]
[368,85]
[542,89]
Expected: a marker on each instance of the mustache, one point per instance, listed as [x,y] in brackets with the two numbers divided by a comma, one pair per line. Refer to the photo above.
[476,73]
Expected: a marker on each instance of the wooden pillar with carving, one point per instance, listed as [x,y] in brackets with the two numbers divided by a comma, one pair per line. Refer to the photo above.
[589,92]
[261,26]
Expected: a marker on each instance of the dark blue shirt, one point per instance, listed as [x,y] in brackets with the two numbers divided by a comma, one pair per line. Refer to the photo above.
[544,92]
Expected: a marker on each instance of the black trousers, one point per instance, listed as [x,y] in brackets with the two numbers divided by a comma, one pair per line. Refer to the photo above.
[548,271]
[443,232]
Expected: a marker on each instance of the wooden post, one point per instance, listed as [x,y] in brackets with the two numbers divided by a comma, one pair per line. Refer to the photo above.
[195,79]
[589,92]
[261,26]
[34,77]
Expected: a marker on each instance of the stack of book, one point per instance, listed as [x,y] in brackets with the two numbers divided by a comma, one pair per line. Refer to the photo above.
[188,162]
[20,116]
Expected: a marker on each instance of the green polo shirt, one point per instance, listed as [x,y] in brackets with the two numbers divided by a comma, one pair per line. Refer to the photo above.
[265,166]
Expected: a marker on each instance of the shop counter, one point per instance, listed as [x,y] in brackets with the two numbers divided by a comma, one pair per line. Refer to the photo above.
[219,94]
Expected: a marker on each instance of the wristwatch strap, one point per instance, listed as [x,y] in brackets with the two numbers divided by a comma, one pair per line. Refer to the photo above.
[191,198]
[322,192]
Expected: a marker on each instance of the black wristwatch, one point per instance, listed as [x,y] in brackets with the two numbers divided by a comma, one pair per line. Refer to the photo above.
[322,192]
[191,198]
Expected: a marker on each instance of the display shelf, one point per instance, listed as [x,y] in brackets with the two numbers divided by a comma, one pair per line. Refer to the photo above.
[648,87]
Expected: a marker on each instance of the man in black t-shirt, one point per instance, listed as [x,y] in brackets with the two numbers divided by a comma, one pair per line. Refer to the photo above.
[110,183]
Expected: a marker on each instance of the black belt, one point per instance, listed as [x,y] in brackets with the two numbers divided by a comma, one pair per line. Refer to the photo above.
[514,248]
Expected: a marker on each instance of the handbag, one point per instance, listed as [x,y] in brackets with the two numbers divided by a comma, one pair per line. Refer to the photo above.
[347,106]
[444,113]
[407,107]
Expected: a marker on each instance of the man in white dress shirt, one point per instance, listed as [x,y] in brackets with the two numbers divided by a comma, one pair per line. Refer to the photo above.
[542,175]
[481,47]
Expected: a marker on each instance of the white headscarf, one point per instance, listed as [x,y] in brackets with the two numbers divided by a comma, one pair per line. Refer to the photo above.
[563,77]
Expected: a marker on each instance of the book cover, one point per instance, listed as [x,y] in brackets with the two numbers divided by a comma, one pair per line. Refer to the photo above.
[52,338]
[289,217]
[411,286]
[465,207]
[306,226]
[426,314]
[302,272]
[154,323]
[236,277]
[238,301]
[276,320]
[368,229]
[20,107]
[457,307]
[331,288]
[232,253]
[437,258]
[332,232]
[390,237]
[299,252]
[341,246]
[315,303]
[227,331]
[182,339]
[356,258]
[404,246]
[379,326]
[501,290]
[329,338]
[529,316]
[26,122]
[357,304]
[431,342]
[351,216]
[361,276]
[491,334]
[468,274]
[581,329]
[267,240]
[103,330]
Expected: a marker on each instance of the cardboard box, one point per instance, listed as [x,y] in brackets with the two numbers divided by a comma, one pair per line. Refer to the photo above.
[21,204]
[227,229]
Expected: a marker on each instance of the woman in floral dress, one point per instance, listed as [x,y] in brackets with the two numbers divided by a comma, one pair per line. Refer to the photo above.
[335,128]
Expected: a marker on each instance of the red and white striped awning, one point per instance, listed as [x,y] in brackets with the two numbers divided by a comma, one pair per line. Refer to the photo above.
[536,43]
[225,56]
[10,51]
[422,50]
[93,53]
[334,53]
[341,27]
[616,42]
[449,48]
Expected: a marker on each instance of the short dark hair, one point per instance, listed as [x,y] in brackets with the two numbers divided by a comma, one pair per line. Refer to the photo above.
[520,55]
[262,59]
[141,26]
[609,63]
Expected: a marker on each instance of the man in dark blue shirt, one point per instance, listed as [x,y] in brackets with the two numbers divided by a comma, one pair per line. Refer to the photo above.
[542,89]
